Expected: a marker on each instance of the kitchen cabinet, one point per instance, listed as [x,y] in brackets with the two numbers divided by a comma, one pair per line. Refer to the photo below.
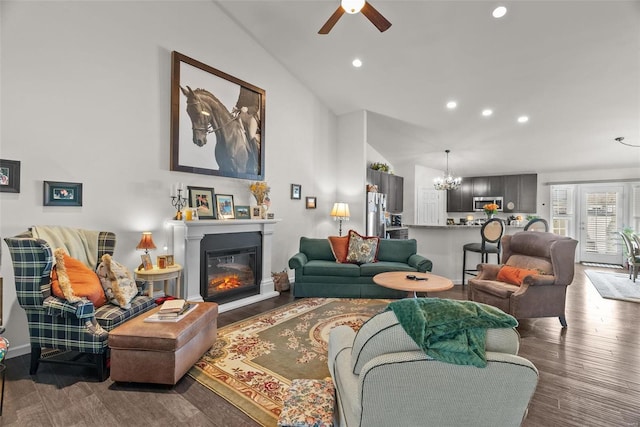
[461,200]
[521,190]
[395,196]
[520,193]
[487,186]
[391,185]
[398,233]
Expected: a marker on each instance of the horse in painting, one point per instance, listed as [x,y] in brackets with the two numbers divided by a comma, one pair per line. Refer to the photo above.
[237,150]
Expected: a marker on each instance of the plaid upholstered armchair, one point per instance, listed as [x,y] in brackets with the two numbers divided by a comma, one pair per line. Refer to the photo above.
[75,332]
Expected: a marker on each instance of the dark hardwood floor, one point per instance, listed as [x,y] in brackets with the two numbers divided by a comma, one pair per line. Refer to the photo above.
[589,376]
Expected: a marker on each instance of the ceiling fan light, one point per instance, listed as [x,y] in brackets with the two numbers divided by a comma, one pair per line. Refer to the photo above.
[352,6]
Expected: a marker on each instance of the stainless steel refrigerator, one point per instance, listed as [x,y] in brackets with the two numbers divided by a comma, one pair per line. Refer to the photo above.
[376,214]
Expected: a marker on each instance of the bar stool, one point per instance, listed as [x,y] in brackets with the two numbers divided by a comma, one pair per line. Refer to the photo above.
[537,224]
[491,233]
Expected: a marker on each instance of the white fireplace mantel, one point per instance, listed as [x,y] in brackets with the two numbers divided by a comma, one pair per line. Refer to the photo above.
[185,246]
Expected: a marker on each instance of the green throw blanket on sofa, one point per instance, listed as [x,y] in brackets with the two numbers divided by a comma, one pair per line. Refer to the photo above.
[448,330]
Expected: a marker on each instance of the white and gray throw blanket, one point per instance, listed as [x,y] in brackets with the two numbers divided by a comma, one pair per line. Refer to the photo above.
[79,244]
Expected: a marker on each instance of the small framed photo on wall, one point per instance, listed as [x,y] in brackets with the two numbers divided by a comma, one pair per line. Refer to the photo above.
[296,191]
[62,193]
[9,176]
[311,202]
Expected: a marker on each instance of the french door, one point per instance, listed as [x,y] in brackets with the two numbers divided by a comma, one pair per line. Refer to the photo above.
[601,216]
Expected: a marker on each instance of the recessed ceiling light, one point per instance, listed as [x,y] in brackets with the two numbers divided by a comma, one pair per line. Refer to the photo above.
[523,119]
[487,112]
[451,105]
[356,63]
[499,12]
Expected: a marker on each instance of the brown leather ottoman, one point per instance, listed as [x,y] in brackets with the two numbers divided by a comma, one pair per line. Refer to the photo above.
[161,352]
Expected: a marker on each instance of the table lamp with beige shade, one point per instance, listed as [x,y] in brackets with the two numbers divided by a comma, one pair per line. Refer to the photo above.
[340,212]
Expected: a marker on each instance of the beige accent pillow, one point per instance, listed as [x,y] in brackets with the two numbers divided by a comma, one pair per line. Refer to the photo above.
[117,282]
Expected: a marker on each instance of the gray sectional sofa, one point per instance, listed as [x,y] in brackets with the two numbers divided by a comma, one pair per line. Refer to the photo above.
[317,274]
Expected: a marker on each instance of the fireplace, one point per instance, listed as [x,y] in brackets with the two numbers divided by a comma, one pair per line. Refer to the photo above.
[186,239]
[230,266]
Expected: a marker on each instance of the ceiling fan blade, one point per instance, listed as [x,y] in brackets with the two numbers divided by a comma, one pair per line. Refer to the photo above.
[375,17]
[331,21]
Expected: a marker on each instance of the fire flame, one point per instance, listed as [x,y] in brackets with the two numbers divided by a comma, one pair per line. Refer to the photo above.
[226,283]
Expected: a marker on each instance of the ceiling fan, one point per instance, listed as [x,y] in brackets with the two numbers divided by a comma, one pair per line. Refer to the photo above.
[352,7]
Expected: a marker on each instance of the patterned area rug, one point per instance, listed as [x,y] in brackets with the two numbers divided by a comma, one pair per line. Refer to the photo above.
[615,285]
[252,363]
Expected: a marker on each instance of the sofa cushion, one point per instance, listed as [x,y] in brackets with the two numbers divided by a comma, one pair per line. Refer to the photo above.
[397,250]
[72,280]
[109,316]
[371,269]
[514,275]
[362,249]
[499,289]
[339,247]
[318,249]
[330,268]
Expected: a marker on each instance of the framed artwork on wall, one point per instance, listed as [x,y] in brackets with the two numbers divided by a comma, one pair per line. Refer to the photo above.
[296,191]
[217,121]
[224,206]
[62,193]
[311,202]
[9,176]
[201,198]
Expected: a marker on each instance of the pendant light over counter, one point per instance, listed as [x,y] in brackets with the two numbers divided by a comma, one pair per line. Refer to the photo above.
[447,182]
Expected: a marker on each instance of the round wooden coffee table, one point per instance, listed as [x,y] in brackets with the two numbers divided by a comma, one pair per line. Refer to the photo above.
[398,280]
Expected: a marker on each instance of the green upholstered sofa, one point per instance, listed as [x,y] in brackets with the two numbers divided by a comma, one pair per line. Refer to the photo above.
[317,274]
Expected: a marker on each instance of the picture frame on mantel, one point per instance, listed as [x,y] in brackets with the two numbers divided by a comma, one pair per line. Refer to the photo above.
[202,199]
[217,122]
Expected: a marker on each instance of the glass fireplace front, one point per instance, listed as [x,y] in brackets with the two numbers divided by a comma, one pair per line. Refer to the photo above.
[231,266]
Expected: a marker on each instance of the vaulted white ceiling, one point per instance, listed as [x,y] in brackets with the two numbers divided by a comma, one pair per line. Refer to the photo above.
[572,66]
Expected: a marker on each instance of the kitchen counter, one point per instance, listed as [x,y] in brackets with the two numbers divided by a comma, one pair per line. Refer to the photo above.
[442,244]
[459,226]
[394,228]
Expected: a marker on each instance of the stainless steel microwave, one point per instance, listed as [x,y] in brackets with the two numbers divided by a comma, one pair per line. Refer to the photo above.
[479,202]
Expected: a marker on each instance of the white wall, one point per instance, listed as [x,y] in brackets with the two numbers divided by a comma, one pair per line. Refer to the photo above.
[85,97]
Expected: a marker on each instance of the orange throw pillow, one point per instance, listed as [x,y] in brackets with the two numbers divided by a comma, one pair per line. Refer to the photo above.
[339,247]
[71,279]
[514,275]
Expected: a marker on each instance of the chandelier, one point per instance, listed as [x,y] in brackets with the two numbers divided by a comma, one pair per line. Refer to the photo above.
[447,182]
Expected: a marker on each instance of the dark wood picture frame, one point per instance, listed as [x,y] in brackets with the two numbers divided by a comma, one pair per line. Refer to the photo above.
[201,124]
[9,176]
[224,206]
[296,191]
[311,202]
[202,198]
[62,193]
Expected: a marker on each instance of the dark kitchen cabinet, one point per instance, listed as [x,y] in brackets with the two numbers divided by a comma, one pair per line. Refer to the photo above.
[521,190]
[461,200]
[487,186]
[395,196]
[520,193]
[391,185]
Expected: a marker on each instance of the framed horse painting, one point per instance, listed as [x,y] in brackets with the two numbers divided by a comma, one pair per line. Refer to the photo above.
[217,122]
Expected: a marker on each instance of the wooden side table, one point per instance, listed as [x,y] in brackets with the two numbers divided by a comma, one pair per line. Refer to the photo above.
[157,274]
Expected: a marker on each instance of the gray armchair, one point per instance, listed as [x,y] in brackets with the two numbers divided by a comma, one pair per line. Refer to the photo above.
[383,378]
[540,295]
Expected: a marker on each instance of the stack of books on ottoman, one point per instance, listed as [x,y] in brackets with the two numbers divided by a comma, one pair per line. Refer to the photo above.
[171,311]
